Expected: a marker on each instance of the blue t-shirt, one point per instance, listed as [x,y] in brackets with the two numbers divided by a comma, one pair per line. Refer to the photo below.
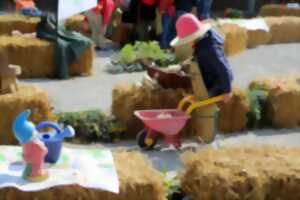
[214,66]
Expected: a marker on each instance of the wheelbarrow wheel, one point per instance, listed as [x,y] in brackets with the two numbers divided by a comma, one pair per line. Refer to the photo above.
[144,142]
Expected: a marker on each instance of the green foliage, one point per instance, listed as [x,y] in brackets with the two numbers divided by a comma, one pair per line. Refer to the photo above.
[234,13]
[144,50]
[92,126]
[258,103]
[126,55]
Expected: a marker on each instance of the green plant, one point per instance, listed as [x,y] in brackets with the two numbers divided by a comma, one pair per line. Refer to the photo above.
[258,102]
[144,50]
[173,187]
[92,126]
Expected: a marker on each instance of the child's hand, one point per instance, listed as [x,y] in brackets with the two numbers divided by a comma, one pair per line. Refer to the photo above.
[227,97]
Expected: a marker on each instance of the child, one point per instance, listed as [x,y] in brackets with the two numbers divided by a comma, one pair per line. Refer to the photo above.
[98,18]
[208,52]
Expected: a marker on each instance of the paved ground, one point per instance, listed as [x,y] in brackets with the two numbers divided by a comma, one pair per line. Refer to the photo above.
[95,92]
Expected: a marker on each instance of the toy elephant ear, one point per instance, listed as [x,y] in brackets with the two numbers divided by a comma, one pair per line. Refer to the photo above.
[23,129]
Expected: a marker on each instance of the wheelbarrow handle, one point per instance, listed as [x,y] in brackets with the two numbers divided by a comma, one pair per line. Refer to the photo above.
[195,105]
[186,100]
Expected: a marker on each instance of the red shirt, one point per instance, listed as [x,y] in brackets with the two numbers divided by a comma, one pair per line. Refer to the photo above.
[166,7]
[106,9]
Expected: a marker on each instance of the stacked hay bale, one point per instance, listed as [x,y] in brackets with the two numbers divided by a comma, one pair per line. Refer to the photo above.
[283,100]
[259,173]
[128,98]
[278,10]
[27,97]
[25,51]
[138,180]
[233,115]
[258,37]
[9,23]
[284,29]
[75,23]
[235,38]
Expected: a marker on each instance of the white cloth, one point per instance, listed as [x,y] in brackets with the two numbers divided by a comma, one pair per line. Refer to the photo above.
[89,168]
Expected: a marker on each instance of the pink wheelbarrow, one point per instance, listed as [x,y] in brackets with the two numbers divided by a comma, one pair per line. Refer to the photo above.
[168,122]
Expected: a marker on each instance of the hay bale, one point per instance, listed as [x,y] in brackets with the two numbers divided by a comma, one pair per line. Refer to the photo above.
[258,37]
[278,10]
[135,184]
[75,23]
[27,97]
[284,29]
[129,98]
[235,38]
[258,173]
[20,51]
[9,23]
[283,100]
[233,115]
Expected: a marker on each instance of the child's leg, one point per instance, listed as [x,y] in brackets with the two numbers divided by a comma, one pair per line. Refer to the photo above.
[92,20]
[100,38]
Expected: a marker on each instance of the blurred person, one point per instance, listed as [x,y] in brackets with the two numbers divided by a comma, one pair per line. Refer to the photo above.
[204,9]
[97,20]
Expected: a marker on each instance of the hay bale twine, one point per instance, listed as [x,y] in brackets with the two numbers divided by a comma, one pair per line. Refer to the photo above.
[284,29]
[9,23]
[138,180]
[27,97]
[20,51]
[257,172]
[233,115]
[235,38]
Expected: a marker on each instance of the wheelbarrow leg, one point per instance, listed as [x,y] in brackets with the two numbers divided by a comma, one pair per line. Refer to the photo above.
[173,140]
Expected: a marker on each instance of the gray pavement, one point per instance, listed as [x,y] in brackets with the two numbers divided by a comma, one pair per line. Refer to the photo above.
[94,92]
[84,93]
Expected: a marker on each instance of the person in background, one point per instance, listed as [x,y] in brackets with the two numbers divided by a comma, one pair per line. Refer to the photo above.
[167,10]
[204,9]
[97,20]
[181,7]
[208,51]
[146,15]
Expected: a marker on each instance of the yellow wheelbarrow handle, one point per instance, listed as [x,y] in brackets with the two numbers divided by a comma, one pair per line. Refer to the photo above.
[195,105]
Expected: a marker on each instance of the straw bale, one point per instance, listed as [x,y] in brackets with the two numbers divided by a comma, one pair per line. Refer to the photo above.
[75,23]
[36,57]
[235,38]
[233,115]
[283,99]
[284,29]
[129,98]
[27,97]
[135,184]
[278,10]
[9,23]
[258,37]
[253,172]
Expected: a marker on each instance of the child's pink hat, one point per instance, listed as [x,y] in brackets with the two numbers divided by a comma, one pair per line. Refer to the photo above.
[189,28]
